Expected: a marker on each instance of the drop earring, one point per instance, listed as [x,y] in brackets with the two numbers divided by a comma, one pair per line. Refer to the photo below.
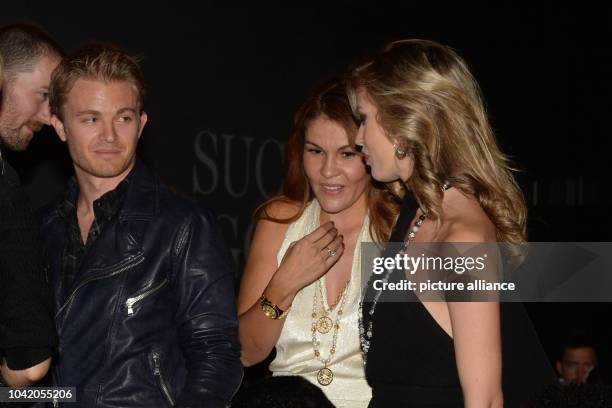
[400,152]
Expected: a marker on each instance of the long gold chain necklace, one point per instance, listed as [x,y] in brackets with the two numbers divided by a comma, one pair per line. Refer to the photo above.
[323,324]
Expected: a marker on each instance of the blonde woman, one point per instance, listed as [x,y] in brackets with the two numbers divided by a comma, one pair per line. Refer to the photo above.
[424,129]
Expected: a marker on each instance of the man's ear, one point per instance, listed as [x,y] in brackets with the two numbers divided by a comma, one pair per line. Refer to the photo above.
[143,122]
[558,365]
[58,125]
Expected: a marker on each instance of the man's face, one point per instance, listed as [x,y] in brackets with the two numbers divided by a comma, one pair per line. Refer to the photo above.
[25,104]
[576,363]
[101,124]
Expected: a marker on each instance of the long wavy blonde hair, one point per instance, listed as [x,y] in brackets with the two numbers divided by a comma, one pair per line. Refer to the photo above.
[430,104]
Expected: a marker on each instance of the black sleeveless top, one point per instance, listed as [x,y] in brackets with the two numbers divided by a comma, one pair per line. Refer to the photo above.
[411,360]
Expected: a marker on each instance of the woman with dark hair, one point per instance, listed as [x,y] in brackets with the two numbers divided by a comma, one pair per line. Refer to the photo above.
[425,131]
[301,287]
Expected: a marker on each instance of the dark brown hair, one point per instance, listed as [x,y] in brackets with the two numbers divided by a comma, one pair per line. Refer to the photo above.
[330,101]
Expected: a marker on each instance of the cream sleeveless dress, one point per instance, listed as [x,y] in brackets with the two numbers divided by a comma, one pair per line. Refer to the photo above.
[294,351]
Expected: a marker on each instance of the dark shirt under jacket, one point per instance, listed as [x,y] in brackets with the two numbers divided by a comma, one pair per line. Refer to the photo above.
[27,333]
[105,209]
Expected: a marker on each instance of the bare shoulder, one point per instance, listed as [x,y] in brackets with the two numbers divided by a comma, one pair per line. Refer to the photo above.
[274,219]
[282,209]
[476,231]
[270,228]
[466,221]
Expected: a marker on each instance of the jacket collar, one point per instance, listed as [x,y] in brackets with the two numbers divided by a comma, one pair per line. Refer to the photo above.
[141,202]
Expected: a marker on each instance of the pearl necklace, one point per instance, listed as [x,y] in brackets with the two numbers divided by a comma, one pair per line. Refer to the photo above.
[365,334]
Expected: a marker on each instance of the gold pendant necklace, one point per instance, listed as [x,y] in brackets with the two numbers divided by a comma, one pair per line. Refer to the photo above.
[323,325]
[325,376]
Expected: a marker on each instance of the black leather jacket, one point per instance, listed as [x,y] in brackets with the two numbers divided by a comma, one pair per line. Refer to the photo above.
[150,320]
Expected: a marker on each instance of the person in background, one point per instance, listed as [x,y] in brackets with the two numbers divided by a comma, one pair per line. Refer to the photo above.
[28,56]
[577,359]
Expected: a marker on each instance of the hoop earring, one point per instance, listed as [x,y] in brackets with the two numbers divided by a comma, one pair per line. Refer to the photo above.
[400,152]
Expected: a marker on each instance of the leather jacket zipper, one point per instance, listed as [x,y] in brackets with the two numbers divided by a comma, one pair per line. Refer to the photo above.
[157,372]
[123,266]
[130,302]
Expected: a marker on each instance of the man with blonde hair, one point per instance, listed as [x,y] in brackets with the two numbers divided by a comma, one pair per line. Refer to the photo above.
[143,293]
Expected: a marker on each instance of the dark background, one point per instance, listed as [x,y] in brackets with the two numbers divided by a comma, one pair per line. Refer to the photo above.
[223,83]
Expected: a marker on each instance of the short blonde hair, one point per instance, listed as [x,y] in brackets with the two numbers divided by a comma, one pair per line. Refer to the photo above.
[94,61]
